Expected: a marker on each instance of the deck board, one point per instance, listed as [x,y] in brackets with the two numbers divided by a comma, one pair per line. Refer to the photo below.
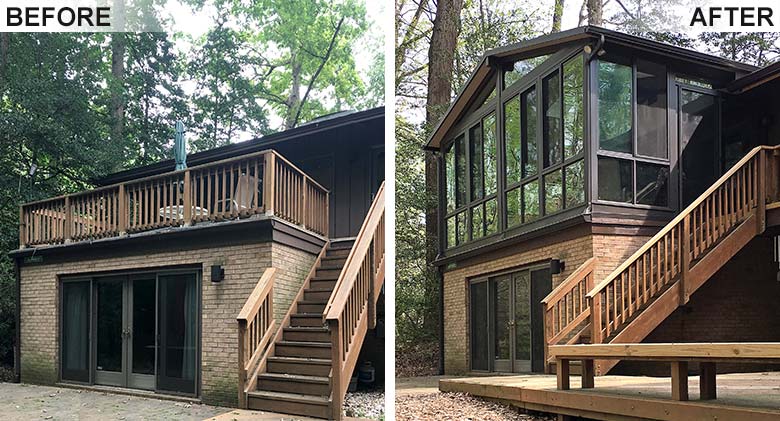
[754,396]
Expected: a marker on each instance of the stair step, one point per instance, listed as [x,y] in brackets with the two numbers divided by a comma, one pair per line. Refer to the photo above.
[303,349]
[325,278]
[294,383]
[312,294]
[297,365]
[327,273]
[334,262]
[289,403]
[312,307]
[322,284]
[307,334]
[306,319]
[342,252]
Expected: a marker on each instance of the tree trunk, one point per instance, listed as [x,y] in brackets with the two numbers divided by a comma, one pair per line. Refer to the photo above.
[594,12]
[5,41]
[294,99]
[583,13]
[441,55]
[118,49]
[557,14]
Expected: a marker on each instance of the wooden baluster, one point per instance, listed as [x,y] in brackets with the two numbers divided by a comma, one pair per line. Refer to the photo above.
[187,199]
[23,228]
[761,192]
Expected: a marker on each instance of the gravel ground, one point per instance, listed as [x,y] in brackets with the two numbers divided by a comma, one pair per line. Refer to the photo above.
[365,405]
[457,406]
[30,402]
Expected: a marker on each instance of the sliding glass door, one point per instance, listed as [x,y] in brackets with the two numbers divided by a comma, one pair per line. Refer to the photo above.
[138,330]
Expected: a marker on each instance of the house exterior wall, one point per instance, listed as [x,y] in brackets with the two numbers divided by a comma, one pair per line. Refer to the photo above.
[220,304]
[610,249]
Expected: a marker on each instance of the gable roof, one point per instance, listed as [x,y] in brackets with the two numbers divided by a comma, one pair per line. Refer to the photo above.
[315,127]
[556,41]
[755,79]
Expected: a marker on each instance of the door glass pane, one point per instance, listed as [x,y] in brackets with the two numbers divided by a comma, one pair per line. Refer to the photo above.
[531,201]
[502,316]
[512,138]
[552,120]
[143,326]
[652,183]
[513,206]
[460,219]
[541,285]
[651,109]
[75,331]
[476,222]
[109,325]
[697,139]
[553,192]
[479,326]
[178,306]
[451,231]
[575,184]
[572,106]
[522,316]
[529,141]
[477,168]
[615,183]
[489,154]
[614,107]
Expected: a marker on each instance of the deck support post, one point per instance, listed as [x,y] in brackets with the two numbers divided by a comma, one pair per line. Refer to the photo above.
[22,229]
[336,377]
[269,184]
[124,211]
[761,192]
[587,374]
[707,385]
[68,228]
[242,345]
[685,260]
[563,370]
[680,380]
[187,199]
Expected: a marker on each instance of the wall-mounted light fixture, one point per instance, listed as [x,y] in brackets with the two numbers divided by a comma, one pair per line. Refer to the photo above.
[217,273]
[557,266]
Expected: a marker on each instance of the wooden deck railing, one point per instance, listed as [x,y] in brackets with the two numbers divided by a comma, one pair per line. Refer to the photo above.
[255,329]
[351,309]
[263,182]
[670,255]
[566,307]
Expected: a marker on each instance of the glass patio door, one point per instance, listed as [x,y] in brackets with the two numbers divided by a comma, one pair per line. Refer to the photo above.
[178,333]
[698,131]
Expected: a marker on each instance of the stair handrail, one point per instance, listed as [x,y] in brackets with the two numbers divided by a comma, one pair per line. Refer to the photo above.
[352,306]
[566,307]
[669,253]
[255,328]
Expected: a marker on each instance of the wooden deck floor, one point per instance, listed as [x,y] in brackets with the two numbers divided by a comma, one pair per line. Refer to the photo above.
[753,396]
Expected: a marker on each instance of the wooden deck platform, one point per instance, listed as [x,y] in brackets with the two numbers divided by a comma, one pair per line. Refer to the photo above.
[753,396]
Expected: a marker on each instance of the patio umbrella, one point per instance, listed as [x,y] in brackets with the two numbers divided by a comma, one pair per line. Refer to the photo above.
[180,147]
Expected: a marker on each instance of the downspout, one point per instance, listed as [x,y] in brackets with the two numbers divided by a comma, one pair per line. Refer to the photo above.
[18,342]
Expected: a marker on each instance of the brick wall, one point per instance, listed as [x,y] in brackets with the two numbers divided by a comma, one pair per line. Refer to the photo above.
[220,303]
[611,250]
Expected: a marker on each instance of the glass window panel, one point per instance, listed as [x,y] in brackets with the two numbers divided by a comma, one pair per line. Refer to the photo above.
[477,164]
[651,109]
[75,331]
[479,327]
[575,184]
[572,107]
[460,220]
[460,171]
[489,154]
[553,192]
[523,316]
[652,183]
[693,81]
[449,175]
[528,124]
[502,315]
[513,207]
[109,326]
[512,140]
[178,333]
[521,68]
[491,216]
[531,201]
[551,141]
[615,183]
[451,232]
[615,107]
[477,229]
[143,325]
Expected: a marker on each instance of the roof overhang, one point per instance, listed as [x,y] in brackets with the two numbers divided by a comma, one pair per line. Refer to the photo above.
[551,42]
[755,79]
[260,143]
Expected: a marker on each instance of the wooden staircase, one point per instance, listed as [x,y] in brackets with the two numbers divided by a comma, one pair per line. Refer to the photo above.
[297,378]
[304,367]
[663,274]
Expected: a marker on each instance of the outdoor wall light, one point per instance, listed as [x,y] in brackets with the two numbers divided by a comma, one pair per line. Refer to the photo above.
[557,266]
[217,273]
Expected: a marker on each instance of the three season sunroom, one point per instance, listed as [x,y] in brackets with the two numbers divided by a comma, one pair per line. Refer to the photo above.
[579,131]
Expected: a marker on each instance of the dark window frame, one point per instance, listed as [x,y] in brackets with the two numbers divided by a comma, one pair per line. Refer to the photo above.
[634,157]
